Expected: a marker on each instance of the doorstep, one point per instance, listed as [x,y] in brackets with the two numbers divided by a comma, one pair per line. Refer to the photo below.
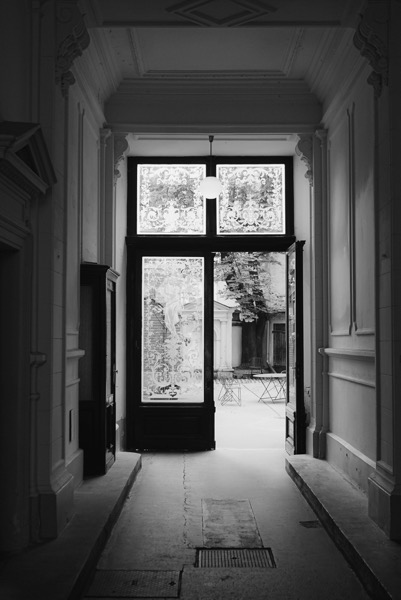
[343,511]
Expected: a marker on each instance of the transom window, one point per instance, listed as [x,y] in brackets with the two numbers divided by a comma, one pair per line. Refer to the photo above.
[254,199]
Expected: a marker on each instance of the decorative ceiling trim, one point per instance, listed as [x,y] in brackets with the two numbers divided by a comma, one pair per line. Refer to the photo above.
[120,147]
[304,149]
[371,39]
[257,137]
[293,49]
[242,11]
[213,74]
[72,38]
[135,49]
[215,86]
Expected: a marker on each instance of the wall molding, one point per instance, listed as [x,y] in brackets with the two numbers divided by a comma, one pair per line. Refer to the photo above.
[75,354]
[350,353]
[349,379]
[346,328]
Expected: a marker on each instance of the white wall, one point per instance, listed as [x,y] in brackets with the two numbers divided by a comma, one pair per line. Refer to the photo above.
[351,438]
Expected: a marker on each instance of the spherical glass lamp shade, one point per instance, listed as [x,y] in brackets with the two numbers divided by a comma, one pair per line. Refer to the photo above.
[210,187]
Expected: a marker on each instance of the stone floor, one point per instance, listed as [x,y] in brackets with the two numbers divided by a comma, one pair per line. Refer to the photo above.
[239,495]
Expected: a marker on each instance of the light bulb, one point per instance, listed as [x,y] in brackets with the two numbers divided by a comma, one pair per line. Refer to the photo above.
[210,187]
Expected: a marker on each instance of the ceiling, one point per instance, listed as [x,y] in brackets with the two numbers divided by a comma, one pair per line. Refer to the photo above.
[208,61]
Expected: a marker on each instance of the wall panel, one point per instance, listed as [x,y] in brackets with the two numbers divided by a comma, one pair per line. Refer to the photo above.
[363,230]
[339,237]
[90,193]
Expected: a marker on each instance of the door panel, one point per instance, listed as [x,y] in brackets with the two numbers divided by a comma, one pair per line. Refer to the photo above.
[295,408]
[172,352]
[172,329]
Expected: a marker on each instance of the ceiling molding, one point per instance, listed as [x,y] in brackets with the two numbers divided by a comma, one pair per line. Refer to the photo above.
[218,129]
[136,54]
[293,50]
[191,75]
[225,137]
[97,74]
[139,63]
[221,13]
[234,86]
[224,13]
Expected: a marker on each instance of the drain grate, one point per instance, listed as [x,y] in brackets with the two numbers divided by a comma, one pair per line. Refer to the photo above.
[251,558]
[135,584]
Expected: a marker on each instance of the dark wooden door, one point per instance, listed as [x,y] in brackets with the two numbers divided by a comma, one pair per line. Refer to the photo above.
[97,421]
[170,349]
[295,408]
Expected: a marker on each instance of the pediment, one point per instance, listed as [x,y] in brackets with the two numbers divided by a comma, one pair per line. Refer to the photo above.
[221,306]
[24,158]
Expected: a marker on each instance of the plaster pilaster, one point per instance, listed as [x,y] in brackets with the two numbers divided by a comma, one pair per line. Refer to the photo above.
[385,482]
[312,149]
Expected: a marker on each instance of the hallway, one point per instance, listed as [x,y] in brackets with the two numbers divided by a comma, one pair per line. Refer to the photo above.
[238,496]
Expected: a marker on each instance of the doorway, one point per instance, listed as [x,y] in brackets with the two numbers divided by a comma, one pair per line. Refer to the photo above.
[173,236]
[249,342]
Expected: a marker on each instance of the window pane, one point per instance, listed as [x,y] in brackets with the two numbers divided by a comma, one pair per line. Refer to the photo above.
[169,201]
[172,329]
[253,199]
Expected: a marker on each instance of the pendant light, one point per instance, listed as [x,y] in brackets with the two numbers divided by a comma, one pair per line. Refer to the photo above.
[211,186]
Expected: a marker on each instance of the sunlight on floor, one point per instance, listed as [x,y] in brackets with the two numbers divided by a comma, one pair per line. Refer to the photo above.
[253,424]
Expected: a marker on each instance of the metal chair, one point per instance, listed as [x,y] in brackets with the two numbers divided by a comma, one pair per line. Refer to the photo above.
[230,391]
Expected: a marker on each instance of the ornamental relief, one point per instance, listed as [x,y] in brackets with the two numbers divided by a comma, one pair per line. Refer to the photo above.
[252,200]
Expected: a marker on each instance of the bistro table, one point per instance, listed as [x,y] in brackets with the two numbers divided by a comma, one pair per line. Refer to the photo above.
[273,384]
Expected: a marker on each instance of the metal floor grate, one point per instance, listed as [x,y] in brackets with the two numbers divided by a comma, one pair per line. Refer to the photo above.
[251,558]
[135,584]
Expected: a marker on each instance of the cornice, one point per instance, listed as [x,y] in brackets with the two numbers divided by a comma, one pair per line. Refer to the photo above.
[210,85]
[237,129]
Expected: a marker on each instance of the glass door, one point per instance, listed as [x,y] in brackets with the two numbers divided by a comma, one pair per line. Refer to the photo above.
[172,236]
[295,408]
[173,401]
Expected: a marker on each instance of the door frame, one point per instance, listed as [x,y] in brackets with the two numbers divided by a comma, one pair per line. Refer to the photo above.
[140,415]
